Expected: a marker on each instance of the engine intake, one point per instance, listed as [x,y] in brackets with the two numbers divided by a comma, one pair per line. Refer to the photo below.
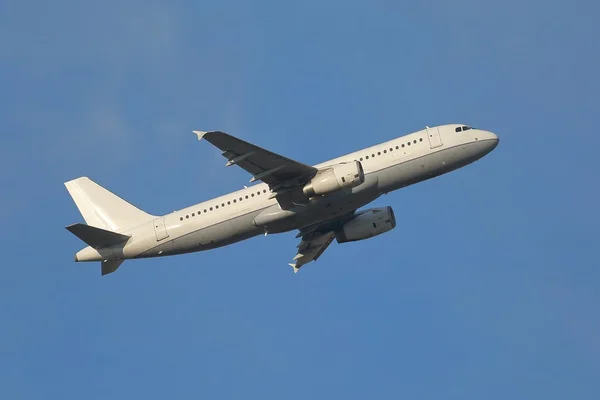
[367,224]
[334,178]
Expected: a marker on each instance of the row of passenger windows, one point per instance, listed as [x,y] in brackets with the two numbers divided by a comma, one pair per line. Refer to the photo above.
[216,207]
[265,191]
[392,149]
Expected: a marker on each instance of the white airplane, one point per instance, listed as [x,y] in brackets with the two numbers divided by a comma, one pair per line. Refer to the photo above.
[321,202]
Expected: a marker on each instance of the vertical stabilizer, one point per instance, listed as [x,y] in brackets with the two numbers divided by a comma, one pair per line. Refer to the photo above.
[102,208]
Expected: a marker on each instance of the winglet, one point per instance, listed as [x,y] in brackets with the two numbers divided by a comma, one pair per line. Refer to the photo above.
[200,134]
[294,266]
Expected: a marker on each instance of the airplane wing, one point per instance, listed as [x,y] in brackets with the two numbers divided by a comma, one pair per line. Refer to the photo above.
[275,170]
[315,240]
[311,247]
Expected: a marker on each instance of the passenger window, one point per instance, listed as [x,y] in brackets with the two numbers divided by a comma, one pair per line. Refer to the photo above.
[181,219]
[258,193]
[205,211]
[398,147]
[217,207]
[234,200]
[378,153]
[187,216]
[415,141]
[210,209]
[402,144]
[228,203]
[408,143]
[385,151]
[193,214]
[420,139]
[252,195]
[373,155]
[367,157]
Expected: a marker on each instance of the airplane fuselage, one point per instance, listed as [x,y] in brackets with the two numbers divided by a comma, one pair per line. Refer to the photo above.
[250,212]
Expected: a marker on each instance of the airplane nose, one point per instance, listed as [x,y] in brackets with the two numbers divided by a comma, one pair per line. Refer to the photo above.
[491,139]
[495,138]
[487,135]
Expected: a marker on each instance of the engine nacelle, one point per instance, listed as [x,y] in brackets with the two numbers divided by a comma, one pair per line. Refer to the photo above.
[367,224]
[334,178]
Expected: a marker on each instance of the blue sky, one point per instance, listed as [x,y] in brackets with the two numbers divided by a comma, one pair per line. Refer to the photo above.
[487,288]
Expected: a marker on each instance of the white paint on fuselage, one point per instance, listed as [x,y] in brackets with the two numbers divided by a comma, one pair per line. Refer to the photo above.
[227,219]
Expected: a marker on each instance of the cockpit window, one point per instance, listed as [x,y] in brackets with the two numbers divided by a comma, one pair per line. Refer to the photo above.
[463,128]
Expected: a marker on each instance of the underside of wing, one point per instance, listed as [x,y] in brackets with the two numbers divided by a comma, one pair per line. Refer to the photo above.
[316,238]
[311,247]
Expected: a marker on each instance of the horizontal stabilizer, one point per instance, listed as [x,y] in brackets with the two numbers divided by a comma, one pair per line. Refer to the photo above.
[108,267]
[96,237]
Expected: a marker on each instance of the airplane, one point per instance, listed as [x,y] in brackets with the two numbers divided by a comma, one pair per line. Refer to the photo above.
[322,202]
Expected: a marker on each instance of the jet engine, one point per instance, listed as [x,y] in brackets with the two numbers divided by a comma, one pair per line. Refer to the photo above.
[334,178]
[367,224]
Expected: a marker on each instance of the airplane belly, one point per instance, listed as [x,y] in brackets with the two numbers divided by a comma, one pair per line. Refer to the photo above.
[230,231]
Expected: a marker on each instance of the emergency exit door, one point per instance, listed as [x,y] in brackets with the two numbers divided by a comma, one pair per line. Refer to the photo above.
[160,230]
[435,140]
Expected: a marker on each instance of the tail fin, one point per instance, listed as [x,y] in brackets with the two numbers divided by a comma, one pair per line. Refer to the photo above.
[103,209]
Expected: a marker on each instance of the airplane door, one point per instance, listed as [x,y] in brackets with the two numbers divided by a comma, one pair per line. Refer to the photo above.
[160,230]
[435,140]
